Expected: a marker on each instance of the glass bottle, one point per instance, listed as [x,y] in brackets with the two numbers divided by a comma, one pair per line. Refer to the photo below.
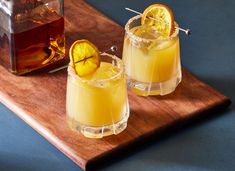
[31,34]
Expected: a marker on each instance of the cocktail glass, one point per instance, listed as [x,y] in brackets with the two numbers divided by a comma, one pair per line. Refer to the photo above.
[97,105]
[152,61]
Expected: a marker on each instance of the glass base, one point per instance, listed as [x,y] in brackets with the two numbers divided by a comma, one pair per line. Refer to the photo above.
[157,88]
[57,58]
[102,131]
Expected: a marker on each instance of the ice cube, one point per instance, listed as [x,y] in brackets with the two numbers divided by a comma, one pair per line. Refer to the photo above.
[146,32]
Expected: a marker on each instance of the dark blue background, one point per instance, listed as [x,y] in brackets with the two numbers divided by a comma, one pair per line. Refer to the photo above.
[209,145]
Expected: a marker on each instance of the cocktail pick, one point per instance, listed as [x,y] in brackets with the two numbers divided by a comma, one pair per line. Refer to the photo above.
[186,31]
[113,48]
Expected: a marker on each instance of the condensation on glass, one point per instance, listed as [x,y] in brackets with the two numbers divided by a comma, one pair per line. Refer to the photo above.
[31,34]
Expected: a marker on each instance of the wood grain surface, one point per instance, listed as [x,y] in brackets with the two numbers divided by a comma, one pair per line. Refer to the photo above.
[39,98]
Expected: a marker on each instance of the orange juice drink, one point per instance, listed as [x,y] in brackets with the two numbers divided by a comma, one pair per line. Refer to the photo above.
[152,60]
[97,104]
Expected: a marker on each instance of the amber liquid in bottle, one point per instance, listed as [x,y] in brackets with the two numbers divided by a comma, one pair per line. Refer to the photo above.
[34,42]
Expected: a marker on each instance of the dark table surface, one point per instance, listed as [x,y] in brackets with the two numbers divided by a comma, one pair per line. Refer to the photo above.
[209,53]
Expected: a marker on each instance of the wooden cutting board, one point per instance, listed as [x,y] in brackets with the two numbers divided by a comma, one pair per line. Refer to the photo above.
[39,98]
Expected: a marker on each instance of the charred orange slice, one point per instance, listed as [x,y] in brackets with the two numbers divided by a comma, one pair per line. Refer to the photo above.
[85,57]
[160,17]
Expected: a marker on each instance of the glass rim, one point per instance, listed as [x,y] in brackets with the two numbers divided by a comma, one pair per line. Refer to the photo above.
[146,40]
[72,73]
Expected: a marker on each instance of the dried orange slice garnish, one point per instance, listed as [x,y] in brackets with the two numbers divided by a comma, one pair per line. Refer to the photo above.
[85,57]
[160,17]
